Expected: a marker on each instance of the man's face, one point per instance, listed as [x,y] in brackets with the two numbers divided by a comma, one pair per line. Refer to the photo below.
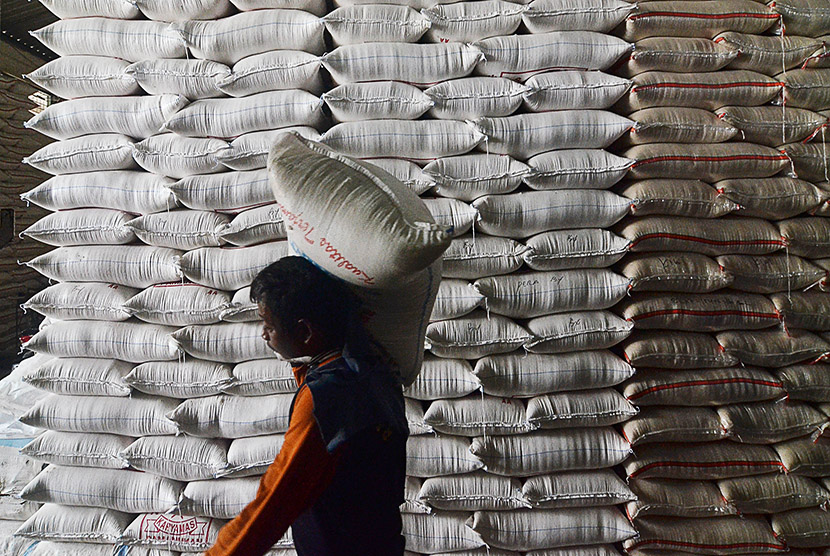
[280,339]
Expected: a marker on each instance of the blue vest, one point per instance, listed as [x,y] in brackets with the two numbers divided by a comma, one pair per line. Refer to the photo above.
[359,408]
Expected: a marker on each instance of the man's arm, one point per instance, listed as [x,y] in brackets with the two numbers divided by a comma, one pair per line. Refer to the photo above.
[301,472]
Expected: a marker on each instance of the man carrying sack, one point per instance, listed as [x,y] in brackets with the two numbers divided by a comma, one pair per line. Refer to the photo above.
[338,480]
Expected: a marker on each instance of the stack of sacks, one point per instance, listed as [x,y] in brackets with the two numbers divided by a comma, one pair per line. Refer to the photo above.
[163,216]
[501,454]
[16,470]
[17,283]
[728,219]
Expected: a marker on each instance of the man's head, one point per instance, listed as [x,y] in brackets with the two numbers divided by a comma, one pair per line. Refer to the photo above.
[305,310]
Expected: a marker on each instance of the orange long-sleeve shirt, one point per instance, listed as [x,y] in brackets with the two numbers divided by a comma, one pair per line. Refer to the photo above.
[300,473]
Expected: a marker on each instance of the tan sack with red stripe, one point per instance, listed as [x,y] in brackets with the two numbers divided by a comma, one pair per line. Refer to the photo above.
[718,236]
[700,90]
[697,19]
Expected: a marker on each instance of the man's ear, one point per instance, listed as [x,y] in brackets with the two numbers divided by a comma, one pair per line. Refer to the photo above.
[305,331]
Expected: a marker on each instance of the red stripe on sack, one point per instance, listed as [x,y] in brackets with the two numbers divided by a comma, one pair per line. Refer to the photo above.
[707,241]
[719,546]
[727,158]
[704,16]
[703,313]
[704,383]
[710,464]
[715,86]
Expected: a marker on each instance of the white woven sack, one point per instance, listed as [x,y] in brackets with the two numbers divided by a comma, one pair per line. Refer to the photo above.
[443,378]
[79,449]
[534,294]
[139,116]
[230,268]
[127,341]
[59,523]
[375,23]
[418,64]
[469,98]
[543,16]
[89,8]
[354,102]
[128,40]
[407,172]
[175,156]
[191,378]
[182,458]
[531,374]
[471,492]
[230,39]
[88,153]
[521,215]
[125,190]
[576,489]
[442,532]
[522,56]
[232,117]
[242,309]
[576,169]
[470,176]
[256,225]
[226,192]
[587,248]
[475,257]
[82,377]
[172,532]
[193,79]
[249,151]
[82,227]
[574,90]
[163,10]
[221,498]
[85,76]
[456,215]
[224,343]
[387,217]
[542,452]
[525,135]
[275,70]
[116,489]
[455,299]
[413,139]
[436,456]
[180,229]
[471,21]
[137,415]
[178,304]
[478,414]
[131,265]
[414,413]
[475,335]
[82,301]
[540,529]
[234,416]
[586,330]
[411,503]
[590,408]
[253,455]
[262,377]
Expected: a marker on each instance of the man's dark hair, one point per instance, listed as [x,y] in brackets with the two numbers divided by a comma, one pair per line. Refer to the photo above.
[293,288]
